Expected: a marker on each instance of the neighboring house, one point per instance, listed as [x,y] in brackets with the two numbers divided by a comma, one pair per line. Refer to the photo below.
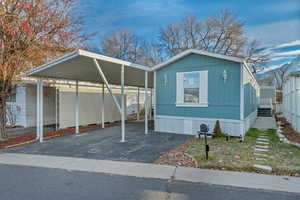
[291,99]
[198,87]
[267,94]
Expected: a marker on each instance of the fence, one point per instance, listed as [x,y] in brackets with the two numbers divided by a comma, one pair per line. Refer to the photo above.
[291,101]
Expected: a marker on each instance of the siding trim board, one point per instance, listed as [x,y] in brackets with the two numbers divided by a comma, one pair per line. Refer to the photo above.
[242,93]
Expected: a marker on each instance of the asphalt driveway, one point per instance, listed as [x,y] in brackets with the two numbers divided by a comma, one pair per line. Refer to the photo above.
[105,144]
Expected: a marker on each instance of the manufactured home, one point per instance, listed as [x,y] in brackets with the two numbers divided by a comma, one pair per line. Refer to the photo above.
[198,87]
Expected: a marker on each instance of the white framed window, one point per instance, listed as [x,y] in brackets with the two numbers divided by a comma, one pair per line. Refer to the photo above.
[191,89]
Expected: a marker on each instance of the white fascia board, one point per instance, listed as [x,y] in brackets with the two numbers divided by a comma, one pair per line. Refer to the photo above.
[113,60]
[53,62]
[200,52]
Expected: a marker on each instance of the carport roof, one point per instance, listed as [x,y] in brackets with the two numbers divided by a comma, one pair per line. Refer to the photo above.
[79,65]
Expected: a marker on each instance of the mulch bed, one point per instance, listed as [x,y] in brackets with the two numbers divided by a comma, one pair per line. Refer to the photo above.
[288,130]
[31,137]
[177,157]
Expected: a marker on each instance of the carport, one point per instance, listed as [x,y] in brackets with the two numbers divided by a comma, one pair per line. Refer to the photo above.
[85,66]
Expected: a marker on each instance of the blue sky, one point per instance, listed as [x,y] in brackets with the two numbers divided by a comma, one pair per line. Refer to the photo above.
[275,23]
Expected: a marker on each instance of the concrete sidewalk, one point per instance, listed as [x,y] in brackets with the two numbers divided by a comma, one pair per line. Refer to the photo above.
[265,123]
[143,170]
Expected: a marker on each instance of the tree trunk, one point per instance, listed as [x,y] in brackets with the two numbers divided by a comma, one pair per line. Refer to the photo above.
[3,134]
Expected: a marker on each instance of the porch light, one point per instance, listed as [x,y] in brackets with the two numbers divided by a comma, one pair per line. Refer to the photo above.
[225,76]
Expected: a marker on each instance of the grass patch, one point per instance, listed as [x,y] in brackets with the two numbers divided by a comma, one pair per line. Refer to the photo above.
[253,133]
[239,156]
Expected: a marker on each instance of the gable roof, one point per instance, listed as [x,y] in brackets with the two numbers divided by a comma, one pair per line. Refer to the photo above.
[199,52]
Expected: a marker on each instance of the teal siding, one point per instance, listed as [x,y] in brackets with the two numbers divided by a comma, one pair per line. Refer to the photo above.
[223,98]
[250,99]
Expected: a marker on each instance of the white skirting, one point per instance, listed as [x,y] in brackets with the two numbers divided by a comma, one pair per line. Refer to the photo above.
[191,125]
[249,121]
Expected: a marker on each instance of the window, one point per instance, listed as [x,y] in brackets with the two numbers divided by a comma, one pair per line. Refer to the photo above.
[191,88]
[191,83]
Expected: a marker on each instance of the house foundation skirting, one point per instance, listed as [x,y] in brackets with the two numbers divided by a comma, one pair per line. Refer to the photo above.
[249,121]
[190,125]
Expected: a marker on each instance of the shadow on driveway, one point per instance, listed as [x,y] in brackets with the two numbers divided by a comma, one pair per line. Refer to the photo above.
[105,144]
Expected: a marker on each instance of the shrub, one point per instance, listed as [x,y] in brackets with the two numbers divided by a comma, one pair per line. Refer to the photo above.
[217,129]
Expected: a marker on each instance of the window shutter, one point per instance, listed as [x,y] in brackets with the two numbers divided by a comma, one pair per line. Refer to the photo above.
[179,87]
[203,87]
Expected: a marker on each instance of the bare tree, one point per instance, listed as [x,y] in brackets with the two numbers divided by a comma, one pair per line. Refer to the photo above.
[280,74]
[220,34]
[256,56]
[30,32]
[122,44]
[151,54]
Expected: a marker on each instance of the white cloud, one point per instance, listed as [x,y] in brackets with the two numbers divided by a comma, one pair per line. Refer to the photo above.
[288,44]
[269,68]
[287,53]
[275,33]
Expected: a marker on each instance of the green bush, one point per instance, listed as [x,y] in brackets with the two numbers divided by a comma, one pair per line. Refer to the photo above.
[217,129]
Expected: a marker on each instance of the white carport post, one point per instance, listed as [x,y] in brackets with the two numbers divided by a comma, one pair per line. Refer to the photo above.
[38,109]
[138,104]
[39,103]
[150,104]
[41,111]
[102,111]
[146,102]
[123,104]
[56,108]
[110,91]
[77,109]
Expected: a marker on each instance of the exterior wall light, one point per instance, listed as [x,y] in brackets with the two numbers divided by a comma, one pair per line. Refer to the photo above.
[225,76]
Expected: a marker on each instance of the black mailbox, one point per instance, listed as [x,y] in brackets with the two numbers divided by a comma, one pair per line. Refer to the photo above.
[204,128]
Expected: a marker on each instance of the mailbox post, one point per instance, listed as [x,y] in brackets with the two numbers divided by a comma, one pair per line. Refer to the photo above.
[204,130]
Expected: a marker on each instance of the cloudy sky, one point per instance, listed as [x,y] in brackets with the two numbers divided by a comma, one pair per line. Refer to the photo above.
[275,23]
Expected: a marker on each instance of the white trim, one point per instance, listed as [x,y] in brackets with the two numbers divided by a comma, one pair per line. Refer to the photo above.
[193,118]
[191,105]
[242,92]
[200,52]
[203,89]
[113,60]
